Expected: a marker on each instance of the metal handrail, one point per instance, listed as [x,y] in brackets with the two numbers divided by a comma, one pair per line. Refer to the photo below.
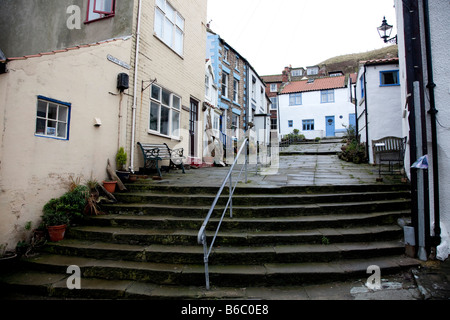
[201,238]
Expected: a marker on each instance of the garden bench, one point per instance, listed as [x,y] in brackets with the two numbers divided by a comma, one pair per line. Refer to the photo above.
[153,153]
[390,150]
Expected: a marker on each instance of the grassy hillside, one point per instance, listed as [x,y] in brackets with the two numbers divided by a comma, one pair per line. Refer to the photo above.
[349,63]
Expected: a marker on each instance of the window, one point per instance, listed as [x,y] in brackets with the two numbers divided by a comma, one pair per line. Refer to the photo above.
[235,126]
[295,99]
[273,124]
[361,81]
[169,26]
[254,88]
[389,78]
[52,118]
[297,73]
[273,87]
[236,91]
[236,63]
[99,9]
[274,101]
[327,96]
[225,54]
[224,84]
[308,125]
[165,110]
[207,86]
[312,71]
[291,123]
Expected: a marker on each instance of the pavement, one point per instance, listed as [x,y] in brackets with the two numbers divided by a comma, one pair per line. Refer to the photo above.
[317,164]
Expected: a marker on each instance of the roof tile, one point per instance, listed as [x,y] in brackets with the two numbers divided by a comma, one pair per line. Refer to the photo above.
[317,85]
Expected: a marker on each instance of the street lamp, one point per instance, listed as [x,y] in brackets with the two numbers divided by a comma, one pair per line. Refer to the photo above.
[385,31]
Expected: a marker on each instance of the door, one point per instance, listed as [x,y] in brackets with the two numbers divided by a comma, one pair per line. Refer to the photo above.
[330,125]
[352,120]
[193,119]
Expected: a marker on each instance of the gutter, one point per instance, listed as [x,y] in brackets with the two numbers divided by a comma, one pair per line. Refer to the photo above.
[136,65]
[436,240]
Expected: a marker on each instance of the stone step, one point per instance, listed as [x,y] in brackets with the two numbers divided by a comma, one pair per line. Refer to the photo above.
[300,222]
[149,186]
[47,275]
[186,254]
[258,199]
[260,211]
[236,237]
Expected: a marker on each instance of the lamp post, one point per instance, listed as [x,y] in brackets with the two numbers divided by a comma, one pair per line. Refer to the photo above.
[385,31]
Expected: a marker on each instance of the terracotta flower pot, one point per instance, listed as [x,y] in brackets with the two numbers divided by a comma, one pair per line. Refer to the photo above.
[110,186]
[56,233]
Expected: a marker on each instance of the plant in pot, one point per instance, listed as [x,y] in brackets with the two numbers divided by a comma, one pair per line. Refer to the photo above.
[121,161]
[59,213]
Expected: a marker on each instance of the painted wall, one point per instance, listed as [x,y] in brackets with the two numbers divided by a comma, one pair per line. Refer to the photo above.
[35,169]
[313,109]
[383,106]
[31,27]
[183,75]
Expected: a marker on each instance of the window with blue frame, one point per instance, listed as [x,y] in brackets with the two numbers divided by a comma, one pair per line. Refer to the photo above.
[291,123]
[52,118]
[389,78]
[295,99]
[327,96]
[362,87]
[308,125]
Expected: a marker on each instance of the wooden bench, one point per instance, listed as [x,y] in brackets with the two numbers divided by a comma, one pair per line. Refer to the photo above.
[390,150]
[153,153]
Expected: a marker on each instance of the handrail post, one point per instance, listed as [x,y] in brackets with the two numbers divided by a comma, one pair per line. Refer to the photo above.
[205,259]
[231,198]
[246,160]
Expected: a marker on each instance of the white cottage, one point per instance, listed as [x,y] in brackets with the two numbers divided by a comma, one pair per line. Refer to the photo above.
[316,107]
[378,96]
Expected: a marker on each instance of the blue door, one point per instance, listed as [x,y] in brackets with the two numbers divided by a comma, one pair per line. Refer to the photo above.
[330,126]
[352,120]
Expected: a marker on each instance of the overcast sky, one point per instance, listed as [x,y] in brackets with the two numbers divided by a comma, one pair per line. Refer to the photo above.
[274,34]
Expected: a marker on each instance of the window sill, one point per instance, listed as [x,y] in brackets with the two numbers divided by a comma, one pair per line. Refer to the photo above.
[154,133]
[99,19]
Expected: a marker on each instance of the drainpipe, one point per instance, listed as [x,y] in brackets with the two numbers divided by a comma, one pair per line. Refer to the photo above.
[436,240]
[136,65]
[367,115]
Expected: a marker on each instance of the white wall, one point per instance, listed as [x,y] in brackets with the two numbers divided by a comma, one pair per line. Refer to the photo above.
[312,108]
[383,106]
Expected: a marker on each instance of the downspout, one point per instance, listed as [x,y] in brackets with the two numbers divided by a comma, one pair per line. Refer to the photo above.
[436,240]
[367,115]
[136,65]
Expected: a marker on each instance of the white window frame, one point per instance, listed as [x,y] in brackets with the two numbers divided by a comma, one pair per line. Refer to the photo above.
[51,124]
[273,87]
[207,87]
[225,79]
[169,26]
[236,91]
[173,130]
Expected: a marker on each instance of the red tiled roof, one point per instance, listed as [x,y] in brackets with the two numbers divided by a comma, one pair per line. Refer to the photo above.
[317,85]
[381,61]
[274,78]
[63,50]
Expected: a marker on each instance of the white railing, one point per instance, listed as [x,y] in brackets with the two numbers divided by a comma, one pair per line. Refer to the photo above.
[201,238]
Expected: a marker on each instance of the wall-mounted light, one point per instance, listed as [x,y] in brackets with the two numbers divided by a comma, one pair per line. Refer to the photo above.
[97,122]
[385,31]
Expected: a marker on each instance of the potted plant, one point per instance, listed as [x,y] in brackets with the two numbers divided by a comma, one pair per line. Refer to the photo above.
[7,258]
[59,213]
[121,161]
[55,219]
